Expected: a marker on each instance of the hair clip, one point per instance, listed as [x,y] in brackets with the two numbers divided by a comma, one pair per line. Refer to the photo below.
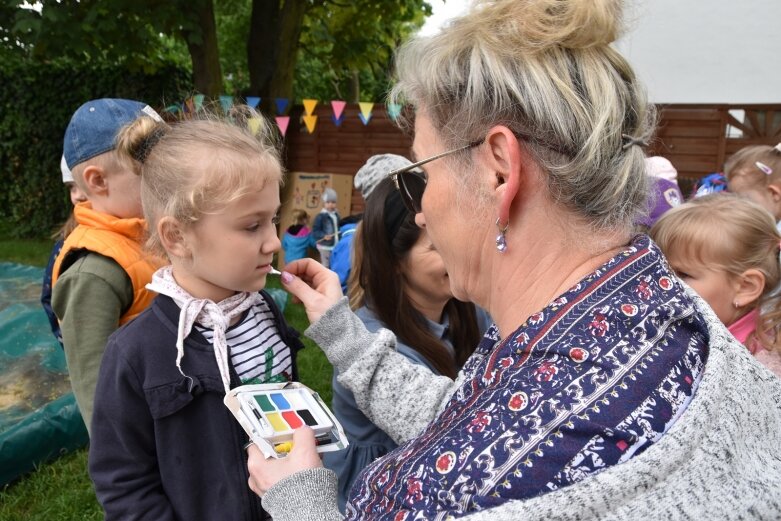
[631,140]
[766,169]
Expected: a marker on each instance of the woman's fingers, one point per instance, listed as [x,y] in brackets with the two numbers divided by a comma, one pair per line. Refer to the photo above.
[316,286]
[265,473]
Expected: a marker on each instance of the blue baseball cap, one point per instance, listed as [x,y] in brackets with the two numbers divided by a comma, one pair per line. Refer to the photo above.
[94,126]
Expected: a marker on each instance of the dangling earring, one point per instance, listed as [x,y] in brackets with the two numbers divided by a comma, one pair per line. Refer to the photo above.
[501,240]
[735,303]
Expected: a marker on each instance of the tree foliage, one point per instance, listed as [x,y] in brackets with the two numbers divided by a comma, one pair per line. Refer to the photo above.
[263,47]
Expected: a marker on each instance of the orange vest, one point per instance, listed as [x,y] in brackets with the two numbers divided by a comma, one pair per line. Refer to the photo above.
[118,239]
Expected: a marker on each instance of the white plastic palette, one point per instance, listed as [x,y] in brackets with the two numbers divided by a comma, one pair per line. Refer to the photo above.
[269,413]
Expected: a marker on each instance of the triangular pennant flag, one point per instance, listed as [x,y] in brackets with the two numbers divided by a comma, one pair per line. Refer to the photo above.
[254,125]
[310,122]
[337,121]
[281,106]
[364,119]
[253,101]
[173,109]
[309,106]
[394,110]
[189,105]
[282,123]
[226,102]
[198,99]
[366,111]
[338,108]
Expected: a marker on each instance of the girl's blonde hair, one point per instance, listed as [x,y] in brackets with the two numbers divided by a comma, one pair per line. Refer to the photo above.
[198,166]
[726,232]
[546,70]
[754,166]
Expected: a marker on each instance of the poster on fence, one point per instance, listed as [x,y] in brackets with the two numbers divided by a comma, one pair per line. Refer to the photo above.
[304,191]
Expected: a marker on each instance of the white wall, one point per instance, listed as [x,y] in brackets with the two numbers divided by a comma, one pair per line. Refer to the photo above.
[706,51]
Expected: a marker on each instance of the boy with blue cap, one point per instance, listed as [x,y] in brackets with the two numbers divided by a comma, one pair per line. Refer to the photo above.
[100,275]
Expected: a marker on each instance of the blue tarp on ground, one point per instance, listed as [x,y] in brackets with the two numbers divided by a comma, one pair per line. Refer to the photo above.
[39,419]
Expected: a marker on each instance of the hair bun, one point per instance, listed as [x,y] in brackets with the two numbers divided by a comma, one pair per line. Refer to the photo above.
[542,24]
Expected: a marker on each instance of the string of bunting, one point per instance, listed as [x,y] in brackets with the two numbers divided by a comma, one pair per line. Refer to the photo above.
[281,106]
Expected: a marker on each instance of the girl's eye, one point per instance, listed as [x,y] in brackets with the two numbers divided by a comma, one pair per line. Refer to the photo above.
[253,227]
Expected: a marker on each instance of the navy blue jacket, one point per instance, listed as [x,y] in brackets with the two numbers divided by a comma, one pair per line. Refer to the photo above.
[164,447]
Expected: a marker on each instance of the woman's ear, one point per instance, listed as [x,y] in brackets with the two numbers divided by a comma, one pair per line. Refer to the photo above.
[504,160]
[749,287]
[95,180]
[172,237]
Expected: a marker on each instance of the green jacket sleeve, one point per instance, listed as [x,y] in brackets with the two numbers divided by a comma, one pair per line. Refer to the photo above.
[89,298]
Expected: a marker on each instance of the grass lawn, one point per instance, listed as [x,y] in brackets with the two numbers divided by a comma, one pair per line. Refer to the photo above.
[61,490]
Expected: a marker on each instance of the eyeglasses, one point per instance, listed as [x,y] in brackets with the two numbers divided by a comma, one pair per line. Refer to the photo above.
[411,183]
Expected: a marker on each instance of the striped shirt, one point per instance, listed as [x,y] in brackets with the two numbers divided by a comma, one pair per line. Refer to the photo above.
[257,351]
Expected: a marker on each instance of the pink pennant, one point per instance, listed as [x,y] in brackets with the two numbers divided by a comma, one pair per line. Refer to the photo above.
[282,122]
[338,108]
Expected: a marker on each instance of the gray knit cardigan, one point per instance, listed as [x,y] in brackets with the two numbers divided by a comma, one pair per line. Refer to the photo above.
[720,460]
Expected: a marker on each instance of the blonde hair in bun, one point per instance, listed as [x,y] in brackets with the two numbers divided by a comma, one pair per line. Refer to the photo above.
[546,70]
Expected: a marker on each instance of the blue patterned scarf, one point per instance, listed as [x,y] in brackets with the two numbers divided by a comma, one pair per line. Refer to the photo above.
[588,382]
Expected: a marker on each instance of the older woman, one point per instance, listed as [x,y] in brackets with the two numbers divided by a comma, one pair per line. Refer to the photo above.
[605,388]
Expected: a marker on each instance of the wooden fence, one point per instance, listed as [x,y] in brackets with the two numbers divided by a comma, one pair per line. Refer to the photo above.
[697,139]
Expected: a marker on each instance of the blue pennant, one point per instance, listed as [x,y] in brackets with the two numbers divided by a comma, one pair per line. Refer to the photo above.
[253,101]
[281,105]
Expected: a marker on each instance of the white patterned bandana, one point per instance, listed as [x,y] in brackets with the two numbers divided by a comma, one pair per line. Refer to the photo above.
[216,316]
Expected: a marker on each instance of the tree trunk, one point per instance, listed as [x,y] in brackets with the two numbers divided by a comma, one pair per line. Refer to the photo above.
[205,55]
[272,47]
[355,87]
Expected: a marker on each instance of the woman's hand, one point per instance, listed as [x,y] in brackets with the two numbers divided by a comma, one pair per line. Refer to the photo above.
[265,473]
[315,285]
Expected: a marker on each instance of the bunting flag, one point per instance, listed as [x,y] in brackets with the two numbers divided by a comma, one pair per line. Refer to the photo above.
[173,109]
[310,122]
[309,106]
[226,102]
[366,111]
[394,110]
[254,125]
[337,121]
[198,99]
[282,123]
[253,101]
[189,105]
[281,104]
[338,107]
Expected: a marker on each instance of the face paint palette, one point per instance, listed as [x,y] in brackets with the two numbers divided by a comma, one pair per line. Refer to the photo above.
[269,413]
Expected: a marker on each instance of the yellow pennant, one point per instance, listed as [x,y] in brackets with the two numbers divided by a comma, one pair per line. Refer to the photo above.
[310,122]
[254,125]
[309,106]
[366,109]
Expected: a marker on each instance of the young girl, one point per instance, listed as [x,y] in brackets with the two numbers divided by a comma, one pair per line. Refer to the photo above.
[163,444]
[755,172]
[297,238]
[726,248]
[433,329]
